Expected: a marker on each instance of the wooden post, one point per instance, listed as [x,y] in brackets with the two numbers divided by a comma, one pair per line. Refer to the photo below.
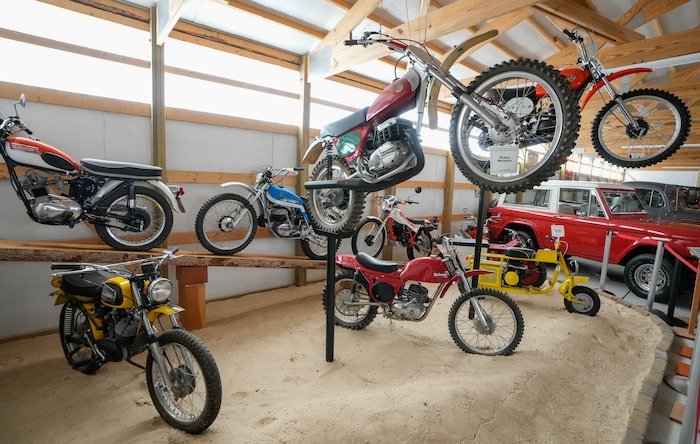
[190,284]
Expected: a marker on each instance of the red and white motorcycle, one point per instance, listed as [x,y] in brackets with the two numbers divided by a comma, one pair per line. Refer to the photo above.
[372,233]
[526,109]
[131,208]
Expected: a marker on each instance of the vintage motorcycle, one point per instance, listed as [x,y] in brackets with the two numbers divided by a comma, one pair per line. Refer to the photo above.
[227,223]
[131,208]
[636,128]
[482,320]
[372,232]
[526,108]
[109,314]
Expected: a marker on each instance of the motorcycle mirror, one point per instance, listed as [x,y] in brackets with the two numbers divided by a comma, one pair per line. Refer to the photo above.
[22,101]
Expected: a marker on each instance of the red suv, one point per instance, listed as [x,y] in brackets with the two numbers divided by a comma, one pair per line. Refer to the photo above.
[587,211]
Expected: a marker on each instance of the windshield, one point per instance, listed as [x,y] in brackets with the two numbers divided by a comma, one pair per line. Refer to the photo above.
[623,201]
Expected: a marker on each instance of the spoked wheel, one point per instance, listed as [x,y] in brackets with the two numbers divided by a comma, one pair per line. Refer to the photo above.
[541,130]
[369,237]
[334,210]
[422,246]
[586,301]
[226,224]
[350,309]
[663,125]
[193,402]
[499,331]
[76,338]
[315,247]
[143,227]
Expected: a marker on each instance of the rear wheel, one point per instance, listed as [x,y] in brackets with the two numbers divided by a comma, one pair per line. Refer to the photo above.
[663,125]
[193,401]
[500,330]
[334,210]
[369,237]
[144,226]
[586,301]
[350,309]
[226,224]
[315,247]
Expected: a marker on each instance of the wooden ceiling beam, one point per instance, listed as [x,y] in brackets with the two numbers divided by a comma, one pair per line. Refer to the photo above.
[649,10]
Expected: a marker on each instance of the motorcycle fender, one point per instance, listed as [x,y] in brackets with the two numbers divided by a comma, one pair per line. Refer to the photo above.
[167,310]
[457,53]
[611,77]
[239,184]
[346,261]
[313,152]
[163,188]
[112,184]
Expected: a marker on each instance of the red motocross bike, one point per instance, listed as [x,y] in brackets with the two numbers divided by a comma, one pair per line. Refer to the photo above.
[526,108]
[371,234]
[484,321]
[636,128]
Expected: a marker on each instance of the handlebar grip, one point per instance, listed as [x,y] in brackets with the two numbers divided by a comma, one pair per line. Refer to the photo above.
[351,42]
[174,250]
[298,168]
[67,266]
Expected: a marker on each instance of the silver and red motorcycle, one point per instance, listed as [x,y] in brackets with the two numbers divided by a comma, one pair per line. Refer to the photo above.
[526,108]
[131,208]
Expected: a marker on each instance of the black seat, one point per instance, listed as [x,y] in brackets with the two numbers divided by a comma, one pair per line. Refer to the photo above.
[125,170]
[346,123]
[520,252]
[375,264]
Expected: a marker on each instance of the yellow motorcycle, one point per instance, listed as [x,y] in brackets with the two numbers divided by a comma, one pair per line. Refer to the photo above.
[115,312]
[523,270]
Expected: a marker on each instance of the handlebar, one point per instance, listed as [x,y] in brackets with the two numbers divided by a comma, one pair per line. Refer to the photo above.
[573,36]
[78,267]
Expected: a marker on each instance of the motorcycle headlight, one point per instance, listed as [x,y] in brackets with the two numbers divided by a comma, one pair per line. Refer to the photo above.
[384,205]
[258,177]
[160,290]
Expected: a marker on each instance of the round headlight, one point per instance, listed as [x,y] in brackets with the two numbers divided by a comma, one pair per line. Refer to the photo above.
[258,177]
[384,205]
[160,290]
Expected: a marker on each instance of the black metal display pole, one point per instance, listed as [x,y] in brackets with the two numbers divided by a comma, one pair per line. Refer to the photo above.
[330,295]
[479,236]
[675,290]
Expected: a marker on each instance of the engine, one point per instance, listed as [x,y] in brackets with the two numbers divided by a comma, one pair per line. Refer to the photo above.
[49,208]
[285,221]
[387,152]
[411,303]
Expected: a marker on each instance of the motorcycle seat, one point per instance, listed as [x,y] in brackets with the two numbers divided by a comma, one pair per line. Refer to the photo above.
[87,284]
[346,123]
[520,252]
[375,264]
[126,170]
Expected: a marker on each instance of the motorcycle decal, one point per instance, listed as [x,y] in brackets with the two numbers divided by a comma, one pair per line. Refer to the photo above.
[284,197]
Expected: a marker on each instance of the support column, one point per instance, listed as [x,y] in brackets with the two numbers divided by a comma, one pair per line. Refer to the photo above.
[191,288]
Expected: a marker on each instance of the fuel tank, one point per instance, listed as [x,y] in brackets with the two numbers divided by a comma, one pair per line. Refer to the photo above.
[283,197]
[398,97]
[33,153]
[426,269]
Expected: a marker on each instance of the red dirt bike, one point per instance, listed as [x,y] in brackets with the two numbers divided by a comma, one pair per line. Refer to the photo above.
[531,131]
[636,128]
[484,321]
[371,233]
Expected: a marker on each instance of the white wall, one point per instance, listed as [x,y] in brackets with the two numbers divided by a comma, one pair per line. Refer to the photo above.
[668,176]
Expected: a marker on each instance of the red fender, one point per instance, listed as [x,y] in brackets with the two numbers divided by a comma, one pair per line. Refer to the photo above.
[611,77]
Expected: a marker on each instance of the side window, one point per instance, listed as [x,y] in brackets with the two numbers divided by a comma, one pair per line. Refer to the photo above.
[646,196]
[571,201]
[535,198]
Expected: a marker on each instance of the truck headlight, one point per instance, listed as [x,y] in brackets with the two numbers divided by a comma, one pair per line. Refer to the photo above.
[160,290]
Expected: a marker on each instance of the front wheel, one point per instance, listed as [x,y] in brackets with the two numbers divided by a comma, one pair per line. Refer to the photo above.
[586,301]
[422,246]
[193,401]
[351,306]
[315,247]
[333,210]
[140,227]
[532,143]
[499,331]
[663,122]
[369,237]
[226,224]
[639,271]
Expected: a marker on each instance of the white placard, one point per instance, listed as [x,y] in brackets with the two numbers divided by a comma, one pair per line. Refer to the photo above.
[557,230]
[504,159]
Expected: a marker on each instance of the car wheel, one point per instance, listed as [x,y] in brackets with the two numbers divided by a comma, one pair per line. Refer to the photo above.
[638,274]
[527,240]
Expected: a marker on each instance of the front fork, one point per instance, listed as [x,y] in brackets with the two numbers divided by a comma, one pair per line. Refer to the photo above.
[623,109]
[475,305]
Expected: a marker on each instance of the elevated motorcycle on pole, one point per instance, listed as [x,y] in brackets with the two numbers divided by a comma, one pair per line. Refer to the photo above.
[484,321]
[227,223]
[129,205]
[115,312]
[636,128]
[526,109]
[393,225]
